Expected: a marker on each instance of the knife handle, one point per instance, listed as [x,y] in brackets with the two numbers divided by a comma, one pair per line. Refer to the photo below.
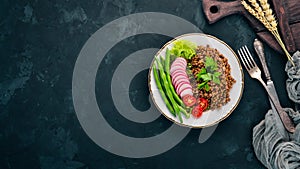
[285,118]
[259,48]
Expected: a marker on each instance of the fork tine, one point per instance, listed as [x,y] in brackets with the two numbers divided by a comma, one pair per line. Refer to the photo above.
[246,57]
[240,52]
[251,58]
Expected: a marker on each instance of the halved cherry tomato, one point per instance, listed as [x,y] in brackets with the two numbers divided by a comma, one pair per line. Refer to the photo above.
[189,100]
[197,111]
[203,103]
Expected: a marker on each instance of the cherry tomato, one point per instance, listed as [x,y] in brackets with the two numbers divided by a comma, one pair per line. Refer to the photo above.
[189,100]
[203,103]
[197,111]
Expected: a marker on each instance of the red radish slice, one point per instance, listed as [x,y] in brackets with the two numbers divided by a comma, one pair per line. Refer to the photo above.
[186,92]
[177,67]
[178,77]
[174,68]
[181,81]
[179,73]
[183,84]
[174,80]
[179,64]
[177,86]
[181,59]
[182,93]
[182,87]
[182,63]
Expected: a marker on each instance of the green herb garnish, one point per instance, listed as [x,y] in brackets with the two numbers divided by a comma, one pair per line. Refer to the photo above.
[210,63]
[208,73]
[184,48]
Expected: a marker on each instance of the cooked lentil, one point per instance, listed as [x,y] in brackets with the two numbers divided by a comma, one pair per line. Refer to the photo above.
[218,95]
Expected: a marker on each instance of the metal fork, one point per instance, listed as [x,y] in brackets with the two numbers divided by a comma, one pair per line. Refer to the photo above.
[255,73]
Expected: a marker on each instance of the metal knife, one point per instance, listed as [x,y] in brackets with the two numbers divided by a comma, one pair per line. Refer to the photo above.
[258,46]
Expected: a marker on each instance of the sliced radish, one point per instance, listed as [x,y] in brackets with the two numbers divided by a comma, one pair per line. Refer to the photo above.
[174,80]
[178,64]
[183,91]
[186,92]
[179,76]
[181,59]
[181,87]
[178,82]
[181,63]
[179,79]
[184,63]
[177,72]
[176,68]
[178,85]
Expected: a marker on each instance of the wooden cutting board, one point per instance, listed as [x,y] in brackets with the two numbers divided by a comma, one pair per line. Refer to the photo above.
[286,11]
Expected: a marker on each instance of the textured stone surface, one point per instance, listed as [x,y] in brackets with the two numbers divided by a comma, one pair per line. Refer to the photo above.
[39,43]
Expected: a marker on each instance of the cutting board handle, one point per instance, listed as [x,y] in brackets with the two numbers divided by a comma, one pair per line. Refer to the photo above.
[215,10]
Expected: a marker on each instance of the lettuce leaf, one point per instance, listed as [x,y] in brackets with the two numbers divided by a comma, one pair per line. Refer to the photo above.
[184,48]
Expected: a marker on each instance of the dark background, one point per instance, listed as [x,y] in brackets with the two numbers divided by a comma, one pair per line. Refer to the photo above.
[39,43]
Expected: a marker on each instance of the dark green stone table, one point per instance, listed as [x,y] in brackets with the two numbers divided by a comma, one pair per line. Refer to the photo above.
[39,43]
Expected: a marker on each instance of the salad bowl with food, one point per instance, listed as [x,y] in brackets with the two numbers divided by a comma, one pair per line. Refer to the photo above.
[196,80]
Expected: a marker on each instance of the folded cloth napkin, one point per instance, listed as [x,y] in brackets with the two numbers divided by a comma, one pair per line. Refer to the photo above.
[274,150]
[293,82]
[273,146]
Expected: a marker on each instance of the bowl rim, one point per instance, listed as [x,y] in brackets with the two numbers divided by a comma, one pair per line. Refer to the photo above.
[240,68]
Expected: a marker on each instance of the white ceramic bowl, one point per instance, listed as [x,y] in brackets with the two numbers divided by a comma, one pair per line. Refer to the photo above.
[210,117]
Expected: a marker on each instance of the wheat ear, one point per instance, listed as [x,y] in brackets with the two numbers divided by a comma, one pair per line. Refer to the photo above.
[264,14]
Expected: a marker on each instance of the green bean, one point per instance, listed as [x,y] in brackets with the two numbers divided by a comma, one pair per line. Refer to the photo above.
[167,61]
[162,61]
[158,84]
[167,89]
[167,69]
[187,115]
[179,116]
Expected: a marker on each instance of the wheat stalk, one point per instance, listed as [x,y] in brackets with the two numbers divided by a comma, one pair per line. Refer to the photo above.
[264,14]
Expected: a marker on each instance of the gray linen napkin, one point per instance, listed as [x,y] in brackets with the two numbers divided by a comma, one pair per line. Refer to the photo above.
[293,82]
[274,149]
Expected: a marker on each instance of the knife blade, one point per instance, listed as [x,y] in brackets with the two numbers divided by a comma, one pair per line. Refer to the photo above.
[258,46]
